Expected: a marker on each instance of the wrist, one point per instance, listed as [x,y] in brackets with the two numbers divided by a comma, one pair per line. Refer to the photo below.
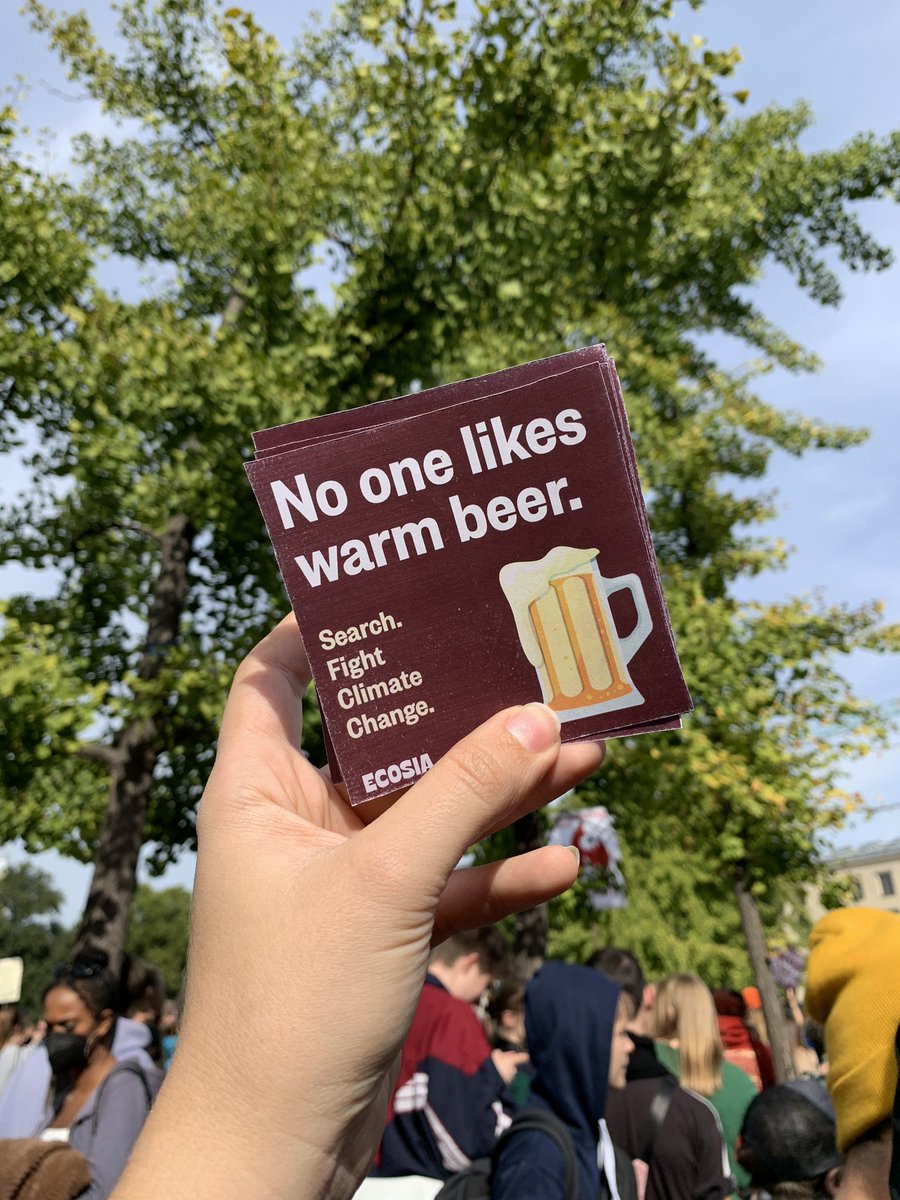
[202,1142]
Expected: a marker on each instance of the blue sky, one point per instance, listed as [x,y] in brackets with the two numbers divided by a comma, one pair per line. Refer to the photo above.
[839,511]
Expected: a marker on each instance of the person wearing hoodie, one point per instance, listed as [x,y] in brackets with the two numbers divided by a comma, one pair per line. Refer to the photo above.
[575,1023]
[23,1103]
[740,1046]
[97,1105]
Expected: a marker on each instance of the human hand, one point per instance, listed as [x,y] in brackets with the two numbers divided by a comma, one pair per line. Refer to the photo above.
[310,933]
[508,1062]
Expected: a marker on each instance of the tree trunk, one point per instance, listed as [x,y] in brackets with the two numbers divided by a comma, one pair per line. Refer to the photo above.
[754,934]
[532,925]
[132,759]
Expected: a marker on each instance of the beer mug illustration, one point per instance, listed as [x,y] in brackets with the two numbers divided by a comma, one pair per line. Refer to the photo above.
[562,614]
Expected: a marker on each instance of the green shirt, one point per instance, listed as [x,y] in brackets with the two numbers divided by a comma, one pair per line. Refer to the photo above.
[730,1102]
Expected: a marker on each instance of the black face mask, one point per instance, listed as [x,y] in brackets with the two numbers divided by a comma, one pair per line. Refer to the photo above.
[68,1053]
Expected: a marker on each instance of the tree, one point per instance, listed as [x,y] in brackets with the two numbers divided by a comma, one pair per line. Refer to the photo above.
[483,190]
[29,904]
[158,931]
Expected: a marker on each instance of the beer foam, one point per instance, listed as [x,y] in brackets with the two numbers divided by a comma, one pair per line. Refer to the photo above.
[525,582]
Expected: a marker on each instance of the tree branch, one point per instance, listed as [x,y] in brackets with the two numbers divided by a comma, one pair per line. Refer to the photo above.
[97,752]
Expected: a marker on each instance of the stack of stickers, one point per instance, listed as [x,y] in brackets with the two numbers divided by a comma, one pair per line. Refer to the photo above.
[456,551]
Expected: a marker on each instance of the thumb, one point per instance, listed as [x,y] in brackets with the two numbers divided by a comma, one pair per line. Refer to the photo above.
[497,773]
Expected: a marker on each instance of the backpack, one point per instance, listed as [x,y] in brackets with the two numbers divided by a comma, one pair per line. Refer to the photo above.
[474,1181]
[659,1110]
[34,1170]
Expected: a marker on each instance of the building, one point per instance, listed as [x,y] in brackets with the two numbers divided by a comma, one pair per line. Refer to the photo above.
[875,872]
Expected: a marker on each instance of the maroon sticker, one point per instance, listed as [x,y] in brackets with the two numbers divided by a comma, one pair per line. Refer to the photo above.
[447,556]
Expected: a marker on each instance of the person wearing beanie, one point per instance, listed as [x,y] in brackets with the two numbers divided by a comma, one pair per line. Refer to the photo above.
[787,1143]
[853,989]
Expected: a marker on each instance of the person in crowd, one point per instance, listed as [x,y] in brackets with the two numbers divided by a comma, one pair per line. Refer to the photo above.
[689,1045]
[168,1028]
[23,1101]
[142,994]
[853,989]
[814,1037]
[787,1143]
[97,1105]
[575,1021]
[506,1030]
[17,1040]
[331,919]
[754,1017]
[740,1046]
[803,1057]
[451,1099]
[678,1152]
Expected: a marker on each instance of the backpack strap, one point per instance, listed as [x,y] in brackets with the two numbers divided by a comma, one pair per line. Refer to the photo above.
[540,1120]
[133,1068]
[658,1111]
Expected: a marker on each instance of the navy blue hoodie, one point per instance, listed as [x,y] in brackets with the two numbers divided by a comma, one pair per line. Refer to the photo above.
[569,1017]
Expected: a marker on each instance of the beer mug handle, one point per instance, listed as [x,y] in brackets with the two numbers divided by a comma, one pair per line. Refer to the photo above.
[631,644]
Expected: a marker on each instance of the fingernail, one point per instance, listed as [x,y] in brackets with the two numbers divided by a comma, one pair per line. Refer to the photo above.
[536,727]
[576,852]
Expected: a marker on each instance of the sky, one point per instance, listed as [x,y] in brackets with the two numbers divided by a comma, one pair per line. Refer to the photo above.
[838,511]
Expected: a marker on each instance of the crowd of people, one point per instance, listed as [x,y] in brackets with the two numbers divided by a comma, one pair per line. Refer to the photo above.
[350,1026]
[658,1085]
[84,1075]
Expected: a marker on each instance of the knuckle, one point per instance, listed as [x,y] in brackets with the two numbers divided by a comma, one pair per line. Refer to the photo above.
[479,769]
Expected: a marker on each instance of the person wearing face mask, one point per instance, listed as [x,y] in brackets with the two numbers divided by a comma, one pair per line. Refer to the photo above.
[24,1099]
[98,1104]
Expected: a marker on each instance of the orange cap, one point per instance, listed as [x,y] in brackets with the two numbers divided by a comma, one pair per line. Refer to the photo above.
[752,997]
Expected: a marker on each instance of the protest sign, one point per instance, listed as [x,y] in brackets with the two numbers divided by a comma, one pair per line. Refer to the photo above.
[11,974]
[593,832]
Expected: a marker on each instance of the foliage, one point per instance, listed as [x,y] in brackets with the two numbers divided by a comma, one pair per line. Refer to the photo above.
[479,191]
[680,916]
[47,711]
[158,932]
[29,929]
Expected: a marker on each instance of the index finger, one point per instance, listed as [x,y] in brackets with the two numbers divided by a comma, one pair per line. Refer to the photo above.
[267,693]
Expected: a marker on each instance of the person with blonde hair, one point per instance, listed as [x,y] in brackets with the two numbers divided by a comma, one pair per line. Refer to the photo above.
[688,1043]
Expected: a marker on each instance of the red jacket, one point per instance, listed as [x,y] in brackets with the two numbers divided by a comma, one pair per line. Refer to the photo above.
[744,1051]
[450,1101]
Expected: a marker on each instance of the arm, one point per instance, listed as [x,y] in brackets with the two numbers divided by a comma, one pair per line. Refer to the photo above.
[794,1005]
[330,921]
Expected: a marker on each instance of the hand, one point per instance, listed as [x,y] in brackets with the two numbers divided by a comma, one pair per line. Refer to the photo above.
[508,1062]
[310,933]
